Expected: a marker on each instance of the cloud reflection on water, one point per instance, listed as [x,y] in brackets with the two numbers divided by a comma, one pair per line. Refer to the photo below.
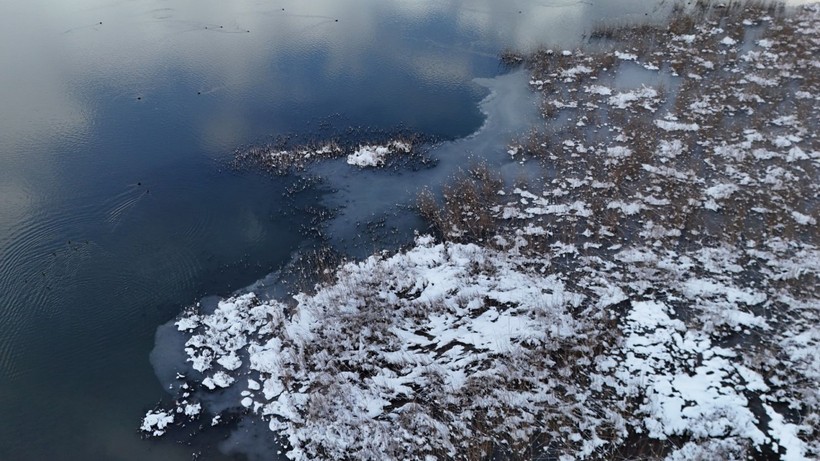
[139,42]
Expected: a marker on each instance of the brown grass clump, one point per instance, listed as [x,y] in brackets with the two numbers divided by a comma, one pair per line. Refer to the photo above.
[465,212]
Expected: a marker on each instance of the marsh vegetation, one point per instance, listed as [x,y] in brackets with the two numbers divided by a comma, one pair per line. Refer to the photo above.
[649,290]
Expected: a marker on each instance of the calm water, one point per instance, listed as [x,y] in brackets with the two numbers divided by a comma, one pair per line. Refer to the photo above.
[116,120]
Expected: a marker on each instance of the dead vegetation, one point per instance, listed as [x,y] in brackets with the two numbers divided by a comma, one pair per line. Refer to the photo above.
[465,213]
[720,155]
[694,193]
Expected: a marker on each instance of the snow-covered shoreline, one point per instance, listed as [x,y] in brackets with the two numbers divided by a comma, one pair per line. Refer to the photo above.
[653,295]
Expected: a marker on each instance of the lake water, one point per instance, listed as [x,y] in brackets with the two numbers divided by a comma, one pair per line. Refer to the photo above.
[117,120]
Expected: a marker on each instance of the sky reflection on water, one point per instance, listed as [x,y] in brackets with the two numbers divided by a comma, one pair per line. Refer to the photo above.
[116,119]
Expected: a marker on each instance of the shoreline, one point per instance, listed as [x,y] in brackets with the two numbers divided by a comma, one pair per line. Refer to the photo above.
[657,273]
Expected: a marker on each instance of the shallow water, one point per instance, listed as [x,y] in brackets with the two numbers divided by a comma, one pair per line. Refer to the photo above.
[364,195]
[116,209]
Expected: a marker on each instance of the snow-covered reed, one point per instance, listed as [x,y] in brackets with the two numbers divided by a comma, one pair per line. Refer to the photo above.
[649,290]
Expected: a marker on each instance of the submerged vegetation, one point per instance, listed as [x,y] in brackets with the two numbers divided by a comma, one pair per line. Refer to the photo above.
[650,292]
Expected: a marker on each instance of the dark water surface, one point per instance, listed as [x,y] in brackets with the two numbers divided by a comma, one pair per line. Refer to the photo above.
[116,209]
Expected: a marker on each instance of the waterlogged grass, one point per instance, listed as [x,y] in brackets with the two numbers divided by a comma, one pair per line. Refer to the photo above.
[650,291]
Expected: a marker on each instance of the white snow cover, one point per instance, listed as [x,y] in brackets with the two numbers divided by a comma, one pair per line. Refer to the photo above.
[192,409]
[155,422]
[625,99]
[570,74]
[626,56]
[721,191]
[604,309]
[803,219]
[728,41]
[375,155]
[371,156]
[668,125]
[691,386]
[599,89]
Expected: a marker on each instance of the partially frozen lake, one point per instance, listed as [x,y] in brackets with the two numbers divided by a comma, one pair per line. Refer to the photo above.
[117,208]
